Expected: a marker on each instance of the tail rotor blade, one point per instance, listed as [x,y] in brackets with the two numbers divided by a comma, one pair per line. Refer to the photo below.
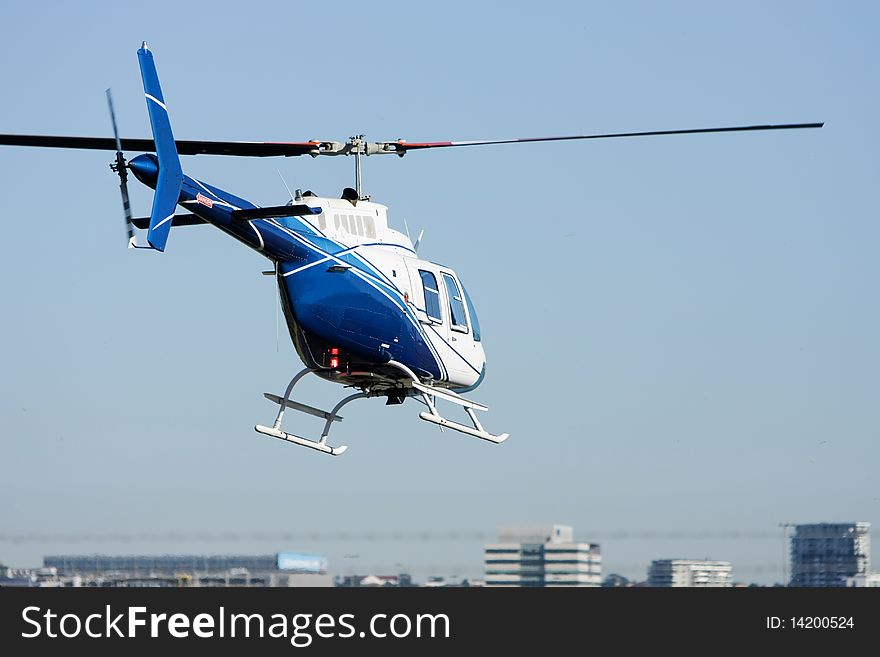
[126,205]
[120,167]
[113,119]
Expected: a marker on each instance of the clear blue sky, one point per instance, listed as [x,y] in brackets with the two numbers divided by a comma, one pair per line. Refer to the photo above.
[681,331]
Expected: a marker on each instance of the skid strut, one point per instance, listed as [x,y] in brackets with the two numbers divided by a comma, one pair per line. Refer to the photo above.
[430,393]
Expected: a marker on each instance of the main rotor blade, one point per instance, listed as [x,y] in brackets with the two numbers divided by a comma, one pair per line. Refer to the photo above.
[401,146]
[184,147]
[314,148]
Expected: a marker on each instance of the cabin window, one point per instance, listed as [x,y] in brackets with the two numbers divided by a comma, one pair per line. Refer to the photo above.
[360,223]
[475,323]
[345,223]
[322,221]
[336,221]
[432,295]
[370,227]
[456,304]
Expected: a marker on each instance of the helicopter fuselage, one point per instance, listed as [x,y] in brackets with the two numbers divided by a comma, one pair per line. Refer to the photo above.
[354,293]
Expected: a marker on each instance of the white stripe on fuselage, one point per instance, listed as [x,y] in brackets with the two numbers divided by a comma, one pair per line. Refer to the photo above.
[259,236]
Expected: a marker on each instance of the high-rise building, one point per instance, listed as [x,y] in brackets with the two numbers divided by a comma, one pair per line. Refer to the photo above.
[691,573]
[542,556]
[828,554]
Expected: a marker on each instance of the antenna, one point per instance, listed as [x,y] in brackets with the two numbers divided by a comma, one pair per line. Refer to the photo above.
[285,183]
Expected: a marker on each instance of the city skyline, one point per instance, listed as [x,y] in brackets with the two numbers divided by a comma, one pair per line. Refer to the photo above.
[351,562]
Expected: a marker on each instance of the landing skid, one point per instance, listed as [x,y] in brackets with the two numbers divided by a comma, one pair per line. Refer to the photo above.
[320,445]
[411,388]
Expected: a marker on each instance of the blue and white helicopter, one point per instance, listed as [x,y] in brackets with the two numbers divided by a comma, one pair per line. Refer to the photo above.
[362,308]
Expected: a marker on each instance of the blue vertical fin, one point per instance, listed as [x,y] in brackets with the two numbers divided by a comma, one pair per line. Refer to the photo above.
[170,173]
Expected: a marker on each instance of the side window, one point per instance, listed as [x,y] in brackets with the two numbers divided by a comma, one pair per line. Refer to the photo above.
[370,226]
[432,295]
[456,304]
[322,221]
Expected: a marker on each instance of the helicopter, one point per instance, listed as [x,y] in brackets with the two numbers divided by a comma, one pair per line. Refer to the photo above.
[362,308]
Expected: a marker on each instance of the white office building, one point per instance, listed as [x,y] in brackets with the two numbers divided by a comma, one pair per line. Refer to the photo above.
[545,555]
[667,573]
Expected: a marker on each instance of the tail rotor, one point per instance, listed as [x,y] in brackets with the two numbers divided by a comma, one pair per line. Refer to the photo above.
[120,167]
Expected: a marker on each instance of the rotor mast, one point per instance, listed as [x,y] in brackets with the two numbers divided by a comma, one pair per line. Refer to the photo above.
[357,145]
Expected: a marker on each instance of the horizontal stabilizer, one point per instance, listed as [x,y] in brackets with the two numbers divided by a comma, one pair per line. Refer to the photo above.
[274,211]
[178,220]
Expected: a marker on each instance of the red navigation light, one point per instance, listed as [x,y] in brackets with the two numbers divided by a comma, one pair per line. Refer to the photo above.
[334,363]
[334,351]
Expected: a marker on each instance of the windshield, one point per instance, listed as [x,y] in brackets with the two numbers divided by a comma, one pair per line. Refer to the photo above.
[475,323]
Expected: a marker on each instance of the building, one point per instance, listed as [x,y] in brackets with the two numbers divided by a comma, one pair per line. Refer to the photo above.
[830,554]
[871,581]
[616,581]
[280,569]
[668,573]
[400,581]
[542,556]
[28,577]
